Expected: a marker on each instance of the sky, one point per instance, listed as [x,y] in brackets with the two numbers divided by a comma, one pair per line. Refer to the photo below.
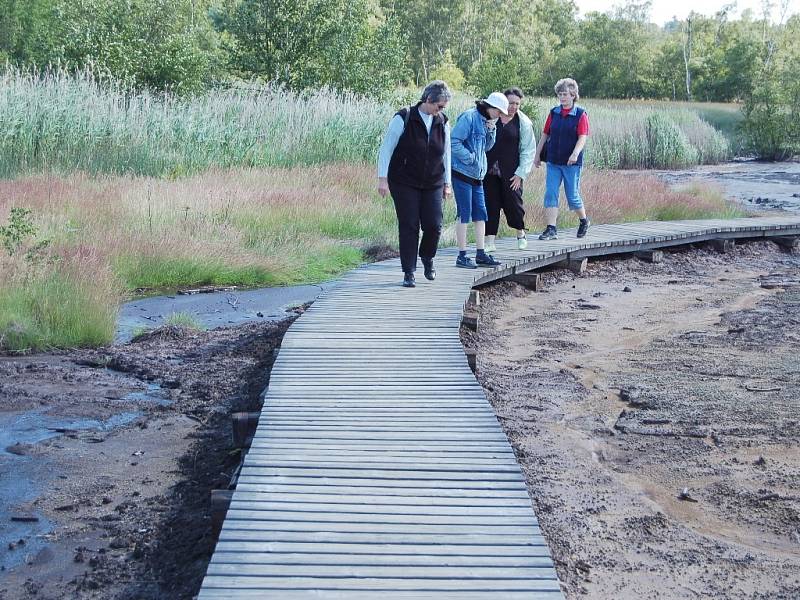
[662,11]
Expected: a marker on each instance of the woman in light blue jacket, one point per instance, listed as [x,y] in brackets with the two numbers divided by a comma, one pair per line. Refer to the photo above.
[472,136]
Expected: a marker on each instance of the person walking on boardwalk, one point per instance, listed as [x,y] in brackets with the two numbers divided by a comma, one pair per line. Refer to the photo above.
[564,136]
[510,161]
[414,167]
[474,134]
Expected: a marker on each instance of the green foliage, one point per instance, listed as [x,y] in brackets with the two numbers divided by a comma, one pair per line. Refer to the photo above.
[448,71]
[163,272]
[345,44]
[668,146]
[160,44]
[501,67]
[65,123]
[20,227]
[183,319]
[615,55]
[50,308]
[646,135]
[771,123]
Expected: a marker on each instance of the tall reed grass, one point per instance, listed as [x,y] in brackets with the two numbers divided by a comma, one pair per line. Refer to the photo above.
[64,123]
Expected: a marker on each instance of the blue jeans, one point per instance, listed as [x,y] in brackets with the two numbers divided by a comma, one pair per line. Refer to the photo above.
[470,202]
[571,176]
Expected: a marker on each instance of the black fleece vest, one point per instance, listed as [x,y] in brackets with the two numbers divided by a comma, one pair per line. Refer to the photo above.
[418,159]
[505,151]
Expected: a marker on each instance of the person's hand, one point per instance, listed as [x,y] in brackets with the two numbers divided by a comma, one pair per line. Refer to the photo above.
[516,183]
[446,192]
[536,161]
[573,158]
[383,186]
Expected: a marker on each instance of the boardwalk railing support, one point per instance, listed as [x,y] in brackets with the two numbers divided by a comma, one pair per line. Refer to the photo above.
[790,243]
[474,299]
[220,501]
[651,256]
[243,428]
[472,358]
[532,281]
[724,245]
[470,320]
[576,265]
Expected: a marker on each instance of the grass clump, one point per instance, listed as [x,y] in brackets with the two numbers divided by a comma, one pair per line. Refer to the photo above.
[70,303]
[183,319]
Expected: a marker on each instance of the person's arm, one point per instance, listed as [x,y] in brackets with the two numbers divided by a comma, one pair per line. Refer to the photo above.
[458,136]
[583,134]
[527,147]
[573,158]
[542,141]
[491,136]
[447,161]
[390,139]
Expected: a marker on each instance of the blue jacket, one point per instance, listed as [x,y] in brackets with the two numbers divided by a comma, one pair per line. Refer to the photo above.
[469,142]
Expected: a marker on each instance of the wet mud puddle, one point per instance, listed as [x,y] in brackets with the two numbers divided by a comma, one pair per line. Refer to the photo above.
[24,476]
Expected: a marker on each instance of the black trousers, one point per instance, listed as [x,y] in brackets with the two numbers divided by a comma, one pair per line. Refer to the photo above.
[417,208]
[499,195]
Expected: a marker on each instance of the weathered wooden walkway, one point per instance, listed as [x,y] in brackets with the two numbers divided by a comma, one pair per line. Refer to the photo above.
[378,469]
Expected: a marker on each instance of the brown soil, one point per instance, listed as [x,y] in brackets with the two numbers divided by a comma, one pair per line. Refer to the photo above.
[126,510]
[658,427]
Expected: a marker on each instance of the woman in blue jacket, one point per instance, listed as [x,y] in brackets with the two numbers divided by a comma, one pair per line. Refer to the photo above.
[472,136]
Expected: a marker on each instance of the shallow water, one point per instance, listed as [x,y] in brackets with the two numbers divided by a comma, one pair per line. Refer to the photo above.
[756,185]
[24,478]
[217,309]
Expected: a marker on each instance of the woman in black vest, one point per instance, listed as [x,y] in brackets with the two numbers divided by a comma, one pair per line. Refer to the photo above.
[510,161]
[414,166]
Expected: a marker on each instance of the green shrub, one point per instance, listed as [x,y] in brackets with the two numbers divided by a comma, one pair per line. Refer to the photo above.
[667,145]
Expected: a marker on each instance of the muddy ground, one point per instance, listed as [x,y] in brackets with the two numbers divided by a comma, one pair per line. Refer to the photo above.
[125,444]
[655,411]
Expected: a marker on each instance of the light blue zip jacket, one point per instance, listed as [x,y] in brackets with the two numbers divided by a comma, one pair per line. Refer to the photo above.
[469,141]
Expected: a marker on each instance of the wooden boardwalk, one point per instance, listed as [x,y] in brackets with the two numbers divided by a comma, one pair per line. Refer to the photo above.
[378,470]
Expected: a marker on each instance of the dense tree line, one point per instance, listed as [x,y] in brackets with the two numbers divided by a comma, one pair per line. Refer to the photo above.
[372,46]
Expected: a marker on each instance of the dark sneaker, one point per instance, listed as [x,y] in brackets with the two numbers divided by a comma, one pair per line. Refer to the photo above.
[550,233]
[408,280]
[430,272]
[487,260]
[583,227]
[465,262]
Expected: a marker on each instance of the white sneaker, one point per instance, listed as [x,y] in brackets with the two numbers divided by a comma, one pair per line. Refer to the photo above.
[522,243]
[490,248]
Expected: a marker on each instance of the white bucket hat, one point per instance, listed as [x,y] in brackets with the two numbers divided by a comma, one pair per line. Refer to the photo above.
[499,101]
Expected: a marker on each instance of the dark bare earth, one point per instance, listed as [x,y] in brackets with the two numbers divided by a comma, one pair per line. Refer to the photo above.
[658,428]
[123,512]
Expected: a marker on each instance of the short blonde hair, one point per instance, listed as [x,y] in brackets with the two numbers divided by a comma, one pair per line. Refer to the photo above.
[569,85]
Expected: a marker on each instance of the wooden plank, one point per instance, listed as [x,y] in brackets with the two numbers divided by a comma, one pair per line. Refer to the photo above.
[317,594]
[462,583]
[233,554]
